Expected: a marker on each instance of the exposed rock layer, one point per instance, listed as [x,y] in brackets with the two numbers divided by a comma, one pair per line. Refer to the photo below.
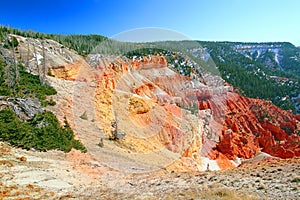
[253,125]
[158,109]
[232,126]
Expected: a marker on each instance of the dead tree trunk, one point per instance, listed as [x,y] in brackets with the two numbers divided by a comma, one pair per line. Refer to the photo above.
[12,72]
[114,129]
[37,63]
[16,70]
[44,64]
[27,58]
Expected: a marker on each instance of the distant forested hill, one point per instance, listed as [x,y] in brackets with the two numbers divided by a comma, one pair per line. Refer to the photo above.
[264,70]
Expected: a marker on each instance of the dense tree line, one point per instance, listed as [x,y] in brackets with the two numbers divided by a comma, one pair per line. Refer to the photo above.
[83,44]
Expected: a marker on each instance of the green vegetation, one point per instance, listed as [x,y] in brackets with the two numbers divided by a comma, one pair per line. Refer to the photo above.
[27,85]
[296,180]
[297,132]
[147,51]
[43,132]
[11,43]
[256,85]
[83,44]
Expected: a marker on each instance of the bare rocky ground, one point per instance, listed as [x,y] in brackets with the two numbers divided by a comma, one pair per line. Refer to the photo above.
[56,175]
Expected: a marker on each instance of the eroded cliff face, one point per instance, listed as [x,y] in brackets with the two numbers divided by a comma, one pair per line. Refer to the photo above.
[147,112]
[143,98]
[165,120]
[183,123]
[253,125]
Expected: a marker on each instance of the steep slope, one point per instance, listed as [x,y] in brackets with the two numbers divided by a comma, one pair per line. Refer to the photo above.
[140,115]
[149,124]
[233,126]
[249,125]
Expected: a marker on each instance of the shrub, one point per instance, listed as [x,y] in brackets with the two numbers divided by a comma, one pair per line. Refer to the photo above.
[28,86]
[50,102]
[84,116]
[43,132]
[11,43]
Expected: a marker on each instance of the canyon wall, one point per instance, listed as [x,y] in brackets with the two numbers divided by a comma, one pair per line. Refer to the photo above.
[164,120]
[205,126]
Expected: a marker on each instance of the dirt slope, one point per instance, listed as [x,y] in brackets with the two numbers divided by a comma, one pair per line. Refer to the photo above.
[56,175]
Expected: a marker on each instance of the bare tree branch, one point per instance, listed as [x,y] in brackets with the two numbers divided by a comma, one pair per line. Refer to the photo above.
[15,64]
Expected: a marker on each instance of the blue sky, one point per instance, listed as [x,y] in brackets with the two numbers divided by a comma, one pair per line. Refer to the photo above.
[216,20]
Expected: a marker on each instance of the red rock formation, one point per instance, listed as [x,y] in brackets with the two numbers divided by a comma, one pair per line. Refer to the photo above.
[154,60]
[151,100]
[234,126]
[253,125]
[249,125]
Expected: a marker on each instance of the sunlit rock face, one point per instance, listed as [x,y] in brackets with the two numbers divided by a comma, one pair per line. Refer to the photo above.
[144,98]
[164,120]
[253,125]
[153,107]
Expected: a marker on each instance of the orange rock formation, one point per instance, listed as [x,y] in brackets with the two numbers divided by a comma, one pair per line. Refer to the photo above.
[155,99]
[253,125]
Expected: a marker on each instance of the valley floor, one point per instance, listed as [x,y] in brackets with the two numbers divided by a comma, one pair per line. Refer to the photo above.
[56,175]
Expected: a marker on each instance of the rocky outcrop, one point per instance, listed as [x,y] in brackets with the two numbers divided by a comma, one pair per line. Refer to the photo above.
[206,126]
[68,71]
[146,109]
[25,109]
[253,125]
[139,97]
[33,52]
